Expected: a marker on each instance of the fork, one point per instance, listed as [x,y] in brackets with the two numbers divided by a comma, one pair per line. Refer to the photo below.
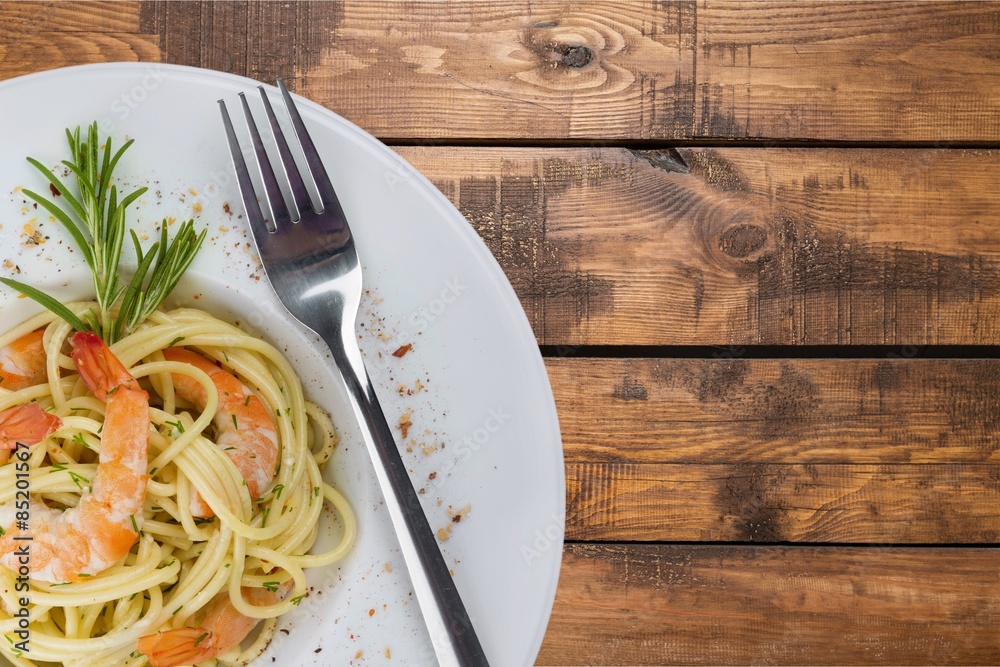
[309,257]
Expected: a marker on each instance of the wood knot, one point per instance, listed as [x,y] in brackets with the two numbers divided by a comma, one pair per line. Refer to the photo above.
[566,54]
[574,55]
[742,240]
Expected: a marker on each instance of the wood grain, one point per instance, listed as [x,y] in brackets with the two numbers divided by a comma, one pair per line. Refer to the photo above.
[666,70]
[86,48]
[784,450]
[898,504]
[724,605]
[738,246]
[801,411]
[590,71]
[18,18]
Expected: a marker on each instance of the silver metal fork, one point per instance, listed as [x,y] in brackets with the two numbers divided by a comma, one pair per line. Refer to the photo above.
[310,259]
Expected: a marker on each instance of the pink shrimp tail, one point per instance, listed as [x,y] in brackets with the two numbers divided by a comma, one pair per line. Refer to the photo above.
[100,369]
[181,646]
[27,423]
[222,629]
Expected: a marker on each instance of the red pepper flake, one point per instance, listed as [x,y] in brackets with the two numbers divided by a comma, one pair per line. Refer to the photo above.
[371,612]
[54,190]
[432,475]
[403,349]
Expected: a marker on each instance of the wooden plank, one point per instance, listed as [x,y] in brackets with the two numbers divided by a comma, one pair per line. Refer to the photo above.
[608,71]
[286,39]
[726,605]
[801,411]
[897,504]
[738,246]
[594,71]
[17,18]
[50,50]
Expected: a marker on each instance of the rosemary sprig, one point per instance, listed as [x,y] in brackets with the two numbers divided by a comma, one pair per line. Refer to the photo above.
[95,218]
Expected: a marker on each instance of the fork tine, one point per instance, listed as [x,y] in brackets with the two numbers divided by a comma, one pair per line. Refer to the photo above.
[323,184]
[272,191]
[254,216]
[300,194]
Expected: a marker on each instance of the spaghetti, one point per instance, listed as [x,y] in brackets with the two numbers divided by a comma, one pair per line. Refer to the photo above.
[182,566]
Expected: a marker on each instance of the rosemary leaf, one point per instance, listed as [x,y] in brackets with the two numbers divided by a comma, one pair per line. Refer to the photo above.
[52,304]
[96,219]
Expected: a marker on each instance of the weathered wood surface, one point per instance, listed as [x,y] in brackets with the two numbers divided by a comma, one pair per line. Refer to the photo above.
[725,605]
[802,411]
[844,504]
[737,246]
[783,450]
[489,71]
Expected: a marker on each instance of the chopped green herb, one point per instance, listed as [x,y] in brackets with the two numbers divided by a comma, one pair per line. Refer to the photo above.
[277,490]
[135,526]
[271,586]
[175,341]
[297,599]
[77,479]
[201,638]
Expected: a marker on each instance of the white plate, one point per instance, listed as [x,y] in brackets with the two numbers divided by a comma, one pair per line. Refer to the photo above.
[486,404]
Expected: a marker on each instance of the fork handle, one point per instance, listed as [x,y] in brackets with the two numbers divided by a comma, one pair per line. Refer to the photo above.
[452,633]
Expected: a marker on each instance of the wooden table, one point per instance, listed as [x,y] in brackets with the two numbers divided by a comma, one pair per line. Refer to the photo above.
[760,248]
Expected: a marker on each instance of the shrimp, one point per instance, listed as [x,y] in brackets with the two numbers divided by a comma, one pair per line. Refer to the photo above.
[222,629]
[22,365]
[27,423]
[22,362]
[245,429]
[87,539]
